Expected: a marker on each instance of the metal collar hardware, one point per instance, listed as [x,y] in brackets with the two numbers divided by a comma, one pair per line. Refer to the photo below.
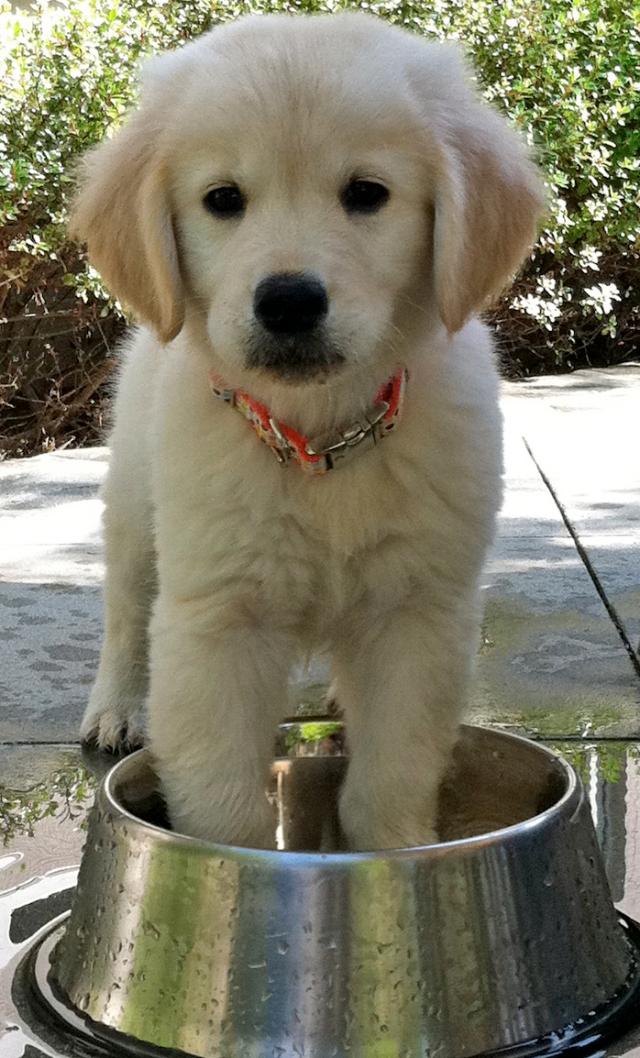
[324,453]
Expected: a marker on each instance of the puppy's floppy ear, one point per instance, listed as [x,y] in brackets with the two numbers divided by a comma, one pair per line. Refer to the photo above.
[122,212]
[488,194]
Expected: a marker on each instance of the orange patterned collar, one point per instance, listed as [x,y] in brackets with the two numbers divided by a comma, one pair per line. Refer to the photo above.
[319,456]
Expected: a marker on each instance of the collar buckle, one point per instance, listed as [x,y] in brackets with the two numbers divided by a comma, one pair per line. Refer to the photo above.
[282,449]
[341,446]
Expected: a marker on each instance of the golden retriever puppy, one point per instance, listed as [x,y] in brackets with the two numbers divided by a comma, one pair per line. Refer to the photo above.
[304,214]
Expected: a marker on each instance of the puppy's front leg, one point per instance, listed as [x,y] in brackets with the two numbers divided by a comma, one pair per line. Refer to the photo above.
[403,682]
[114,716]
[218,686]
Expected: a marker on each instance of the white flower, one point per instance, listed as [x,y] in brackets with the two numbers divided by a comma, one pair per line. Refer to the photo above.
[588,258]
[601,298]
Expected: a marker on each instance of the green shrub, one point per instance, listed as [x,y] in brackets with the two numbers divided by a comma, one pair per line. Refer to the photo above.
[563,70]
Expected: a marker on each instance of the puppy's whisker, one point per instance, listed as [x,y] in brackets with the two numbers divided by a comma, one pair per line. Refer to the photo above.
[424,309]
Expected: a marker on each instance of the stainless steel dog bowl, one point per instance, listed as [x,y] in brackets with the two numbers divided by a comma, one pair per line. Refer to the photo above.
[503,936]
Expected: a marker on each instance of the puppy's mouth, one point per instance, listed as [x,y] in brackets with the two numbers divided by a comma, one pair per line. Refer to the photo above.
[294,358]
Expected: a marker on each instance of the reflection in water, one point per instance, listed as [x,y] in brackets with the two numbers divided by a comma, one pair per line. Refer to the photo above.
[64,796]
[611,774]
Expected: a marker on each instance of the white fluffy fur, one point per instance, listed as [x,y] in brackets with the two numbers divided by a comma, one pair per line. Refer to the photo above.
[241,566]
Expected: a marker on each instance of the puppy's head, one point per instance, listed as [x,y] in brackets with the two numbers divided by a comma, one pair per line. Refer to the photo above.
[308,191]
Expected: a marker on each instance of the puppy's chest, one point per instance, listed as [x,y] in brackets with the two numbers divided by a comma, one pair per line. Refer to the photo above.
[230,519]
[324,542]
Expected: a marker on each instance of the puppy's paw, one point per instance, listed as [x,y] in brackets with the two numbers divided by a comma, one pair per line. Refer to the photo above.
[370,838]
[369,827]
[251,832]
[113,728]
[226,814]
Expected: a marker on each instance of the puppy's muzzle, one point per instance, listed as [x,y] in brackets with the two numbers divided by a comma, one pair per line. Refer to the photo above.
[289,303]
[290,339]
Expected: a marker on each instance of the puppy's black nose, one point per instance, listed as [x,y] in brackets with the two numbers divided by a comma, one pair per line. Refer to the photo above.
[290,303]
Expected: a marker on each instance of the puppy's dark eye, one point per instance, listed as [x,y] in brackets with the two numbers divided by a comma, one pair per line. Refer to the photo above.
[364,196]
[225,201]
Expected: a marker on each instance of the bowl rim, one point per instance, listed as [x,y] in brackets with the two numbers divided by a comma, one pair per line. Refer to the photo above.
[107,801]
